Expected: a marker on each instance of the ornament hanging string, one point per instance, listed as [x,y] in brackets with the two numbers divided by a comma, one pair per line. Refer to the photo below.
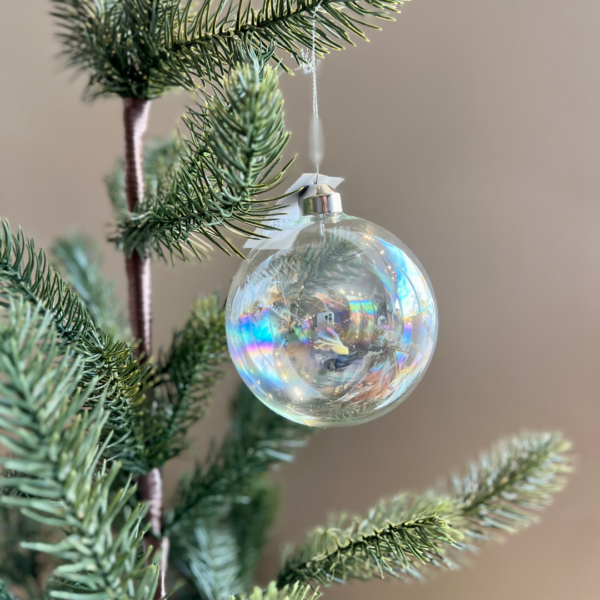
[316,139]
[313,66]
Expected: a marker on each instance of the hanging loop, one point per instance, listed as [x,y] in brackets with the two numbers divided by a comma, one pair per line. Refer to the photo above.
[316,138]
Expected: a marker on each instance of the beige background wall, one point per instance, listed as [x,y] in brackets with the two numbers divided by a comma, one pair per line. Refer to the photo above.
[471,129]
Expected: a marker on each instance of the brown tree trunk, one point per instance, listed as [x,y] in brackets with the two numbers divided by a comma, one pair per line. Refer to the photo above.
[135,117]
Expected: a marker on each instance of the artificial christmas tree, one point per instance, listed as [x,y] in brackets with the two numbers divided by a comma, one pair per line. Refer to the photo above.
[88,418]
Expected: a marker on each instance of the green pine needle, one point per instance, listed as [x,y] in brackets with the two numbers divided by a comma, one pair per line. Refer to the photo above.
[288,592]
[251,520]
[79,261]
[187,376]
[235,143]
[219,555]
[55,449]
[258,439]
[140,48]
[22,568]
[503,492]
[396,538]
[224,510]
[120,382]
[207,556]
[409,535]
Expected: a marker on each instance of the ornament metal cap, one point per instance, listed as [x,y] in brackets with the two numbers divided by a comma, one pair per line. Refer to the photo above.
[319,199]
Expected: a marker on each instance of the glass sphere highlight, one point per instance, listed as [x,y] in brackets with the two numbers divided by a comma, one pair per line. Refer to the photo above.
[331,323]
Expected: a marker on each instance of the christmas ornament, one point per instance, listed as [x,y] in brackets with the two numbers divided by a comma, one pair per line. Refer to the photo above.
[332,321]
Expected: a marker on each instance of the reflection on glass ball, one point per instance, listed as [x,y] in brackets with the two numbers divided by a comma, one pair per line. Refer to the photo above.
[333,322]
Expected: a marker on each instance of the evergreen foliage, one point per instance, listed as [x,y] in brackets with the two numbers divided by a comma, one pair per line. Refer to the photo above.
[257,440]
[207,556]
[295,592]
[235,143]
[219,555]
[79,261]
[119,381]
[140,48]
[83,420]
[407,535]
[251,520]
[23,567]
[187,376]
[226,499]
[63,481]
[313,265]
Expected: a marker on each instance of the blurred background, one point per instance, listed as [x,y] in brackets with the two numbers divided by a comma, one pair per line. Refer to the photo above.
[469,129]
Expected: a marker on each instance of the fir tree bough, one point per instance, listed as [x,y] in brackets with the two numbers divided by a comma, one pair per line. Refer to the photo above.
[295,592]
[119,380]
[187,375]
[141,48]
[24,567]
[258,439]
[63,481]
[88,417]
[407,535]
[235,143]
[79,261]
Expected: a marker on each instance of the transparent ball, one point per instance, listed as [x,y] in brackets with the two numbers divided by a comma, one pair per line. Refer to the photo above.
[333,322]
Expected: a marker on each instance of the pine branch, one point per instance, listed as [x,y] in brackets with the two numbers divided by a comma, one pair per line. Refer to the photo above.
[207,556]
[20,567]
[56,450]
[251,521]
[115,42]
[140,48]
[120,381]
[235,143]
[520,476]
[288,25]
[187,376]
[79,261]
[258,439]
[409,535]
[395,538]
[293,592]
[219,554]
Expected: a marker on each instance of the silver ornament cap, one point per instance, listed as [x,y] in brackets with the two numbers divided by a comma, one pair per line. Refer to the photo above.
[319,199]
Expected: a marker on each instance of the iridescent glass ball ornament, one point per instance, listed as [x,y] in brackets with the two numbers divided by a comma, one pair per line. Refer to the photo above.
[333,322]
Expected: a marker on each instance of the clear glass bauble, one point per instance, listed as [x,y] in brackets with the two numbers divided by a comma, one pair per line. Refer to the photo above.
[333,322]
